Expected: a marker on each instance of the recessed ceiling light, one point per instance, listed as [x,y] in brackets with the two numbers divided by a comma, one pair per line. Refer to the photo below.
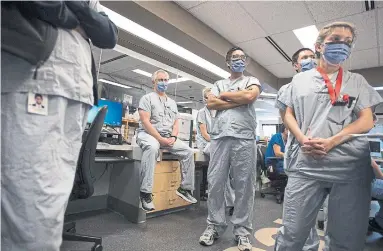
[148,35]
[114,83]
[307,36]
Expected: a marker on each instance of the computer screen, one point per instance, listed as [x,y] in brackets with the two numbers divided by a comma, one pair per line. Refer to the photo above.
[113,116]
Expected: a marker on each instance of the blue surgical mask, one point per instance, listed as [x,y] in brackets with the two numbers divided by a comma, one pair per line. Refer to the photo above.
[162,86]
[308,64]
[336,53]
[237,66]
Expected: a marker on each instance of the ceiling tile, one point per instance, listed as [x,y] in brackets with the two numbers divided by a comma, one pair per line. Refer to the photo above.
[379,4]
[276,17]
[379,24]
[120,64]
[262,52]
[365,28]
[284,70]
[323,11]
[288,42]
[189,4]
[229,20]
[363,59]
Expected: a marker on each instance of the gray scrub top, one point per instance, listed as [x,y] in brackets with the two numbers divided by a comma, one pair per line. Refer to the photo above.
[239,122]
[203,117]
[278,103]
[308,97]
[163,112]
[66,73]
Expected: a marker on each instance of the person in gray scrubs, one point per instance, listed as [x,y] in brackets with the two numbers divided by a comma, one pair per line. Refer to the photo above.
[40,147]
[302,60]
[203,143]
[325,106]
[232,146]
[158,129]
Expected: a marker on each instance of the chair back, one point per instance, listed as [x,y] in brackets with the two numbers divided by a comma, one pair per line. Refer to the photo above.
[83,185]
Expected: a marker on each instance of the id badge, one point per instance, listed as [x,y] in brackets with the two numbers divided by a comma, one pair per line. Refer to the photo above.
[38,103]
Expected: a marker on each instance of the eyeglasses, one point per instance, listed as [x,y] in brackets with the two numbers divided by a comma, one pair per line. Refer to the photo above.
[236,57]
[162,80]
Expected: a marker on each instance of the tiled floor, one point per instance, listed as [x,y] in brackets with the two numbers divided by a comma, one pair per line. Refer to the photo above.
[180,231]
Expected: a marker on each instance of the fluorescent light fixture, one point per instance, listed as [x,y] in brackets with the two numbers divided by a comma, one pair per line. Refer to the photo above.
[177,80]
[171,81]
[378,88]
[114,83]
[307,36]
[185,102]
[259,110]
[145,73]
[148,35]
[265,94]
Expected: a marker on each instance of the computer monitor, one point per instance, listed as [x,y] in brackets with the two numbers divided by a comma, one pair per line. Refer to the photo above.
[113,116]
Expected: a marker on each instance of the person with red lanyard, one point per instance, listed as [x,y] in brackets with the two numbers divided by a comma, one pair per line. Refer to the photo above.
[325,106]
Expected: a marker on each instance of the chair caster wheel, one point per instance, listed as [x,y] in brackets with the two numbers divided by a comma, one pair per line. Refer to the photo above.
[263,195]
[97,247]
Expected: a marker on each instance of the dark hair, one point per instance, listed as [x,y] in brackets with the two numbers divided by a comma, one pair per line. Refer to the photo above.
[282,128]
[296,54]
[38,95]
[230,52]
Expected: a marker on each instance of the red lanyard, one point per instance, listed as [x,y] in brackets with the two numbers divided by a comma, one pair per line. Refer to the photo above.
[334,94]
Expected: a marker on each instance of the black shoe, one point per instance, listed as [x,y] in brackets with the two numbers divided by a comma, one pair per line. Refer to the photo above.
[186,195]
[231,211]
[147,201]
[374,226]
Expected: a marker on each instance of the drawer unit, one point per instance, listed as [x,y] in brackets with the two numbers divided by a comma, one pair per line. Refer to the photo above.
[167,179]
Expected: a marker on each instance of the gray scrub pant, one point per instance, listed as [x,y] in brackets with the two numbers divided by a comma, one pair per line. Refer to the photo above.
[348,211]
[38,163]
[229,189]
[239,155]
[150,152]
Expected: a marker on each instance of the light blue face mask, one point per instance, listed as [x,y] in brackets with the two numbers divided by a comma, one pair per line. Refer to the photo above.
[162,86]
[308,64]
[336,53]
[238,66]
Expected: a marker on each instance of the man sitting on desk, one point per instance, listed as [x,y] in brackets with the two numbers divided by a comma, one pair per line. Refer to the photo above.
[159,129]
[276,148]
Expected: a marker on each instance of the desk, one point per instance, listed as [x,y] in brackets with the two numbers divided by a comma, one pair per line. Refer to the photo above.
[119,187]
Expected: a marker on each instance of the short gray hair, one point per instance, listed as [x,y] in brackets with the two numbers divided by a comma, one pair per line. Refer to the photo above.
[328,29]
[154,75]
[205,91]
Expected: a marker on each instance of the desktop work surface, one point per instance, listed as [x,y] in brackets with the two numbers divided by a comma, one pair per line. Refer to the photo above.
[118,183]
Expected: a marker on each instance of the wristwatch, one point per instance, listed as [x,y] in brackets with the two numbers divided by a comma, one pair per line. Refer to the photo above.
[174,137]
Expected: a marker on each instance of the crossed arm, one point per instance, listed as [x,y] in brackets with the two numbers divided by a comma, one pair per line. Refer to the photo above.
[229,100]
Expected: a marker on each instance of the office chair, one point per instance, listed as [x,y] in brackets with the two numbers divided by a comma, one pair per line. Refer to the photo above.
[84,179]
[278,181]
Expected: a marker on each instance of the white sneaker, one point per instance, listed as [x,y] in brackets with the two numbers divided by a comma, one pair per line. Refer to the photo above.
[186,195]
[209,236]
[243,243]
[147,201]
